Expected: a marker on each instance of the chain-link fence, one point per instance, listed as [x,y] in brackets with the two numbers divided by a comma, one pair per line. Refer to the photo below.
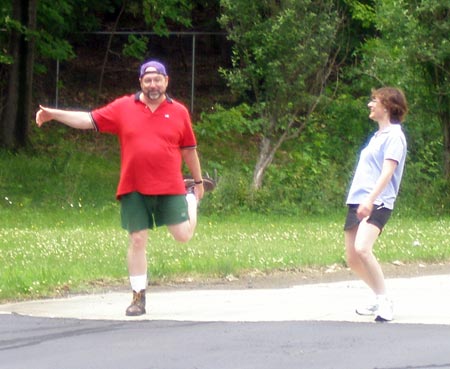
[101,72]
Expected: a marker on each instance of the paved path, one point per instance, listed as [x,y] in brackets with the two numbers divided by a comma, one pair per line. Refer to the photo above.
[423,300]
[302,327]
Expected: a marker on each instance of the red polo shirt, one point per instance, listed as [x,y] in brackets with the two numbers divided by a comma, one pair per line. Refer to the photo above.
[150,143]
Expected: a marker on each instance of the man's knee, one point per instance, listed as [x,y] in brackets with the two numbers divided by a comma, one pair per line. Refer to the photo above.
[181,232]
[138,239]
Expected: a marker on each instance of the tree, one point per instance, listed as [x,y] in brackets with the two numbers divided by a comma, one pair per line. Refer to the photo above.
[157,14]
[50,28]
[23,43]
[17,108]
[413,50]
[282,59]
[429,31]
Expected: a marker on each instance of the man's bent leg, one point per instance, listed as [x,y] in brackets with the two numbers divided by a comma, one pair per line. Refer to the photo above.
[184,231]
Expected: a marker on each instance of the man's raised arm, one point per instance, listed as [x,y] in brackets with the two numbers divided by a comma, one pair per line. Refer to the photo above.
[74,119]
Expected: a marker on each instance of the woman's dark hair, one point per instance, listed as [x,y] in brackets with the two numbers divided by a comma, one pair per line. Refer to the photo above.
[394,100]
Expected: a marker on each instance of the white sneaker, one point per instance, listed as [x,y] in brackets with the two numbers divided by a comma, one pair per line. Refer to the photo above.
[382,308]
[369,309]
[385,311]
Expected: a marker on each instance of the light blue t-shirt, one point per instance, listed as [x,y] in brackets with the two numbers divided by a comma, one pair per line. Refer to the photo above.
[388,144]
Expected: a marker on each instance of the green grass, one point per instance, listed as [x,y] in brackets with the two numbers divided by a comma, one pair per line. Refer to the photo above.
[59,224]
[49,252]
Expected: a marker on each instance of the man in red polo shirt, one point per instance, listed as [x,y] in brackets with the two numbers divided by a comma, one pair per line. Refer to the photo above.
[156,136]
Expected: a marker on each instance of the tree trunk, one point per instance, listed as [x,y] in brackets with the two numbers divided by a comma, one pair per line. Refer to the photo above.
[444,116]
[108,50]
[264,160]
[270,145]
[439,87]
[8,119]
[17,113]
[266,154]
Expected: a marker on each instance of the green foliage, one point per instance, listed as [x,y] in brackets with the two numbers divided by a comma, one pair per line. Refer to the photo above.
[310,175]
[231,196]
[280,60]
[277,48]
[226,139]
[410,50]
[299,169]
[227,123]
[54,47]
[5,21]
[361,12]
[59,173]
[136,47]
[7,25]
[60,24]
[305,179]
[423,188]
[158,13]
[346,124]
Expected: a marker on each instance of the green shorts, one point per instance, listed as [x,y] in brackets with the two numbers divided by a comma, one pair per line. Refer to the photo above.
[140,212]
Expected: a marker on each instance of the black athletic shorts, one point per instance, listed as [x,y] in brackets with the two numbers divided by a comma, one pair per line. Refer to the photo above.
[379,216]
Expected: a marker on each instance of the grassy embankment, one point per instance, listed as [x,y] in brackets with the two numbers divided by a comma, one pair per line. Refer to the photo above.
[60,230]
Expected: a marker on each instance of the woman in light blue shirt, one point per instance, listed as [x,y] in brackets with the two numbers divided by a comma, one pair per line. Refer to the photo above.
[372,195]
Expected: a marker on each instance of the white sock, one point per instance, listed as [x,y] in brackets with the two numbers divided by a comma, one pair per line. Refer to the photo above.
[191,200]
[192,208]
[138,282]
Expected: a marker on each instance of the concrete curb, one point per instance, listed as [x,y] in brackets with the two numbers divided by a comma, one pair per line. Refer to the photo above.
[420,300]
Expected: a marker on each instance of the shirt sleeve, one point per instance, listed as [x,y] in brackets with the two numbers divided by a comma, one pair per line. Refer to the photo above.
[395,148]
[105,118]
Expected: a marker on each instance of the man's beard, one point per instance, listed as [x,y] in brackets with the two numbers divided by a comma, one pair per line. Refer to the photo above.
[154,95]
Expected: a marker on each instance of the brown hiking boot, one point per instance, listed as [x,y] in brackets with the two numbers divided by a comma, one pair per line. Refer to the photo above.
[137,306]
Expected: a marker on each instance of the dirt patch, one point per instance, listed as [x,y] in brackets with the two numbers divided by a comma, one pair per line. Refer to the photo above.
[284,279]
